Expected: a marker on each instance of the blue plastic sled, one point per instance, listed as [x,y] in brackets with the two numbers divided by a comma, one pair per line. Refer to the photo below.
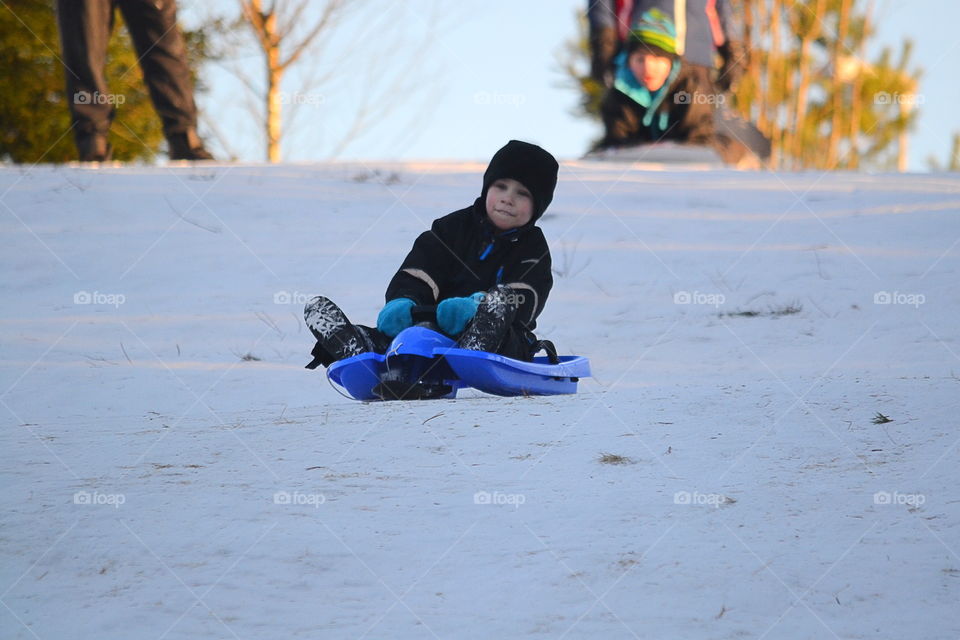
[430,357]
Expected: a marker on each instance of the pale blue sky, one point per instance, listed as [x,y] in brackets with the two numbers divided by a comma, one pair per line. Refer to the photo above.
[490,73]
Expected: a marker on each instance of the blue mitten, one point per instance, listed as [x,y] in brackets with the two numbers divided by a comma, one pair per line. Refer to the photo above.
[453,314]
[395,316]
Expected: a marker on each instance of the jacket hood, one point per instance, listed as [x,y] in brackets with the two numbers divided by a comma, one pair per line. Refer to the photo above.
[529,164]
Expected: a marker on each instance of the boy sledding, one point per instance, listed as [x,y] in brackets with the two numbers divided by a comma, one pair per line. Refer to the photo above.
[476,281]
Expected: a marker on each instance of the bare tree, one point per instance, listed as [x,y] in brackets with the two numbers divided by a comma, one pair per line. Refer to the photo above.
[291,36]
[806,23]
[839,62]
[274,28]
[809,85]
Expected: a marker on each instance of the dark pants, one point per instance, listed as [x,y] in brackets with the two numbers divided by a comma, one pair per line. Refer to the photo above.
[85,27]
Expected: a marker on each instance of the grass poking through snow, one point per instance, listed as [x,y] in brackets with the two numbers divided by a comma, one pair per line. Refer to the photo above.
[612,458]
[788,309]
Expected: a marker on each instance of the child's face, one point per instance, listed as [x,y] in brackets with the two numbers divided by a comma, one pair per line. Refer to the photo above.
[509,204]
[649,69]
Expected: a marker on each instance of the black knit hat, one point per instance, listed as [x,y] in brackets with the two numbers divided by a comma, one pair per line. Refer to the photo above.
[529,164]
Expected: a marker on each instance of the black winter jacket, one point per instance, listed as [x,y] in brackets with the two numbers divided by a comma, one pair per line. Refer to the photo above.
[688,102]
[463,253]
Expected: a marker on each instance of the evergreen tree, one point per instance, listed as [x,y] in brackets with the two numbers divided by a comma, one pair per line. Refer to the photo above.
[808,85]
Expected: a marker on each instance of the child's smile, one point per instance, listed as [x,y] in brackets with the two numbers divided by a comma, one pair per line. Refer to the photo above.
[509,204]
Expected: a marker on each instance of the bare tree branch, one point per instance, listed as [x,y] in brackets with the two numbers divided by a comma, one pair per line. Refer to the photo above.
[329,13]
[276,29]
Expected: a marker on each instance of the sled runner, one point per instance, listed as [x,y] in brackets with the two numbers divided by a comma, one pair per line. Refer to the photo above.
[423,364]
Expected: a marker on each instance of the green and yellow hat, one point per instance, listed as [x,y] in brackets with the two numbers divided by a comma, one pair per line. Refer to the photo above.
[656,30]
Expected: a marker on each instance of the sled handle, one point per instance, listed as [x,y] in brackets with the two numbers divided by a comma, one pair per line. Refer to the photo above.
[547,346]
[424,313]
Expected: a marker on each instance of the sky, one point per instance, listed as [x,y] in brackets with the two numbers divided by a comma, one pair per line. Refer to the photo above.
[462,78]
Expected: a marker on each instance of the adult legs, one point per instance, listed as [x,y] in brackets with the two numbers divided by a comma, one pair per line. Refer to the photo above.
[85,27]
[163,58]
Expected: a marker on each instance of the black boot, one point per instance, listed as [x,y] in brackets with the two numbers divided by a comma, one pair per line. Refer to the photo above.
[333,331]
[187,146]
[93,147]
[490,324]
[405,382]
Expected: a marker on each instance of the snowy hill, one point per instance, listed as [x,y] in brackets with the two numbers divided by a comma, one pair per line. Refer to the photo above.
[171,471]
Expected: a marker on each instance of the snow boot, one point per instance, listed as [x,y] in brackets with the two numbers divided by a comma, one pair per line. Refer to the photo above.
[333,331]
[93,147]
[402,383]
[187,146]
[490,324]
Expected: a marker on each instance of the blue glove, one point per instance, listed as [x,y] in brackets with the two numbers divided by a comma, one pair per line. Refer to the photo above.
[395,316]
[453,314]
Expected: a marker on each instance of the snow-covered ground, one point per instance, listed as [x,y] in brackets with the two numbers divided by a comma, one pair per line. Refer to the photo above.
[169,469]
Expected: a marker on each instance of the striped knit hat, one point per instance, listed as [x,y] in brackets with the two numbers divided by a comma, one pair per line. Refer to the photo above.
[655,31]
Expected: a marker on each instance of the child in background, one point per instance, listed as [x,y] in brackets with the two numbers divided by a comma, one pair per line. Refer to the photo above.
[485,267]
[657,96]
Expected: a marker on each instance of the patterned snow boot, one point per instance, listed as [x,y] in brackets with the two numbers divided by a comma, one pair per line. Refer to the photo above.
[333,331]
[492,320]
